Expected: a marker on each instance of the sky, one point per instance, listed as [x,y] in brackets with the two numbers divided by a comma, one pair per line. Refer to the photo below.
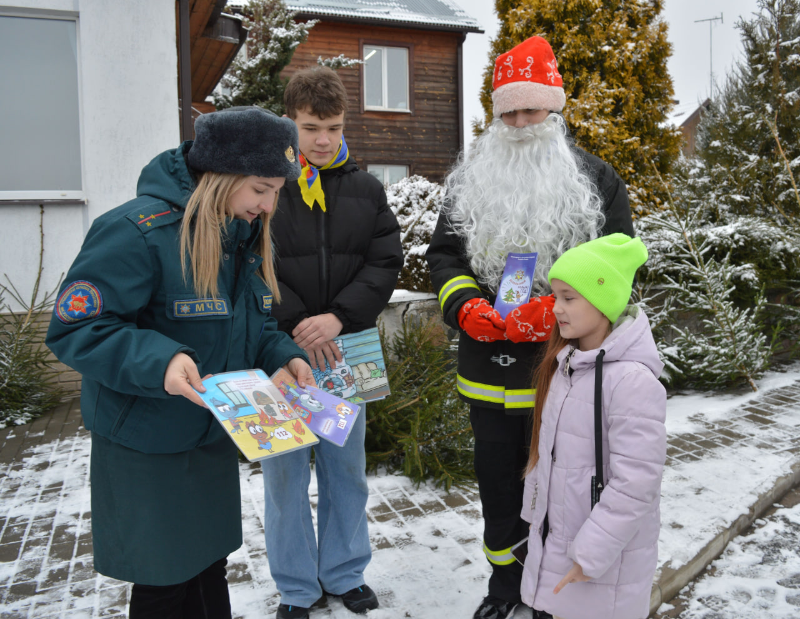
[688,65]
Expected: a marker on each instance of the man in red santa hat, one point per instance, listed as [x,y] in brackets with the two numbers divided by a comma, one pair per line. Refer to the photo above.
[523,187]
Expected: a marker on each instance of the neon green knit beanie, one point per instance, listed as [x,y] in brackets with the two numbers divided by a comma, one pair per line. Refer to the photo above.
[602,271]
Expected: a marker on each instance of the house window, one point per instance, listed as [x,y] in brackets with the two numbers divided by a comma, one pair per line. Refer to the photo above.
[40,123]
[388,174]
[386,78]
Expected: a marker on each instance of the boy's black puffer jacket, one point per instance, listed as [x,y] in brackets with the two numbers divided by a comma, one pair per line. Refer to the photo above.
[343,261]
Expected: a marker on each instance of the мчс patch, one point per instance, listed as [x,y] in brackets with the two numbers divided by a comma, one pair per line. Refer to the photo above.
[197,308]
[79,301]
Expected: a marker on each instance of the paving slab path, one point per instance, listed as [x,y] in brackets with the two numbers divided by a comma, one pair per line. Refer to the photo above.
[428,560]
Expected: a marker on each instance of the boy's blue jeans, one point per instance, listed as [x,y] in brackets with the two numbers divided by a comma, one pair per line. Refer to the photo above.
[300,565]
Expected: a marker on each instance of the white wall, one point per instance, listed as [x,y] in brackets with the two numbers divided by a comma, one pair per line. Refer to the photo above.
[127,58]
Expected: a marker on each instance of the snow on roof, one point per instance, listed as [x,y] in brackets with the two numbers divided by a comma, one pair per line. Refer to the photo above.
[444,13]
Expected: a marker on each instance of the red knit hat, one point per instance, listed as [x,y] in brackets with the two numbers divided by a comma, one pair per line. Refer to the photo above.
[526,78]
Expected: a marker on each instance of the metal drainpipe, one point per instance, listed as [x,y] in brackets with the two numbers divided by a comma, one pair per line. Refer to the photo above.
[461,92]
[185,70]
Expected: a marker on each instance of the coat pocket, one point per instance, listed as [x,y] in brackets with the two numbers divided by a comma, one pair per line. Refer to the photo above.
[122,416]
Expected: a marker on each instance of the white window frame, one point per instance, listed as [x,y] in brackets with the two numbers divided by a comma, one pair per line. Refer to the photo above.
[385,78]
[37,195]
[371,168]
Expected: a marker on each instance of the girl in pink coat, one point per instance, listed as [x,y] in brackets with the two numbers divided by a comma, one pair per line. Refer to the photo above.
[587,560]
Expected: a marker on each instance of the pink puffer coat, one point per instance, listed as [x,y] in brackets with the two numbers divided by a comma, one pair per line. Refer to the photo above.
[616,543]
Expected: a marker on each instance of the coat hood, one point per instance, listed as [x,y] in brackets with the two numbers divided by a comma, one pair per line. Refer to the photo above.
[630,340]
[168,177]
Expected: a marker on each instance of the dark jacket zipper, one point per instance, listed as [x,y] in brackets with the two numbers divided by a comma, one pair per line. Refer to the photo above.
[323,252]
[237,265]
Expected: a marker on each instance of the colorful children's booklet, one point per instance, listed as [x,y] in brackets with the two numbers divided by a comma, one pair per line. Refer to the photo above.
[255,414]
[361,374]
[515,285]
[326,415]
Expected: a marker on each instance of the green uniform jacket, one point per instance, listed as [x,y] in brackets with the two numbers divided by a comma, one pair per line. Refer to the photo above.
[125,311]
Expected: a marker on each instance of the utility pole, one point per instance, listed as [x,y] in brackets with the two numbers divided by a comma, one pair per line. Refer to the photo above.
[711,21]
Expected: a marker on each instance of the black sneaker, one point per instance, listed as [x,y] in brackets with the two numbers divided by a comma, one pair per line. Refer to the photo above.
[287,611]
[359,600]
[493,608]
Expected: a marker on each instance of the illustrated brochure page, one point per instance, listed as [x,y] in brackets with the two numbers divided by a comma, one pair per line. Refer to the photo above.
[254,413]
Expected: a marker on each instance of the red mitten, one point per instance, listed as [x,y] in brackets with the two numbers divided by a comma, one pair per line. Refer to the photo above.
[531,322]
[481,321]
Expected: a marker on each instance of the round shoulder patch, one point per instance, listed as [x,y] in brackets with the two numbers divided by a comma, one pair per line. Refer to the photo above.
[79,301]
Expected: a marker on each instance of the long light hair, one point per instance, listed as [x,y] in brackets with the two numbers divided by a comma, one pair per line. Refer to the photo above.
[522,190]
[203,229]
[542,378]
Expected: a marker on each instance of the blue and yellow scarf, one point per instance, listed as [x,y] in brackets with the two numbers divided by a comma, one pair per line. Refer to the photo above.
[309,181]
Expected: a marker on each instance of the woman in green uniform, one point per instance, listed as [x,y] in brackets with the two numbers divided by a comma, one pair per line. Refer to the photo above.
[171,286]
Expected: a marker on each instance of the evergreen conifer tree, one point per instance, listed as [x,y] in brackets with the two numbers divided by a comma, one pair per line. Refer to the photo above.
[273,37]
[612,55]
[749,142]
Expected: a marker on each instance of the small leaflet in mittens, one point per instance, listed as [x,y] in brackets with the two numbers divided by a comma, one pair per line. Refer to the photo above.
[515,286]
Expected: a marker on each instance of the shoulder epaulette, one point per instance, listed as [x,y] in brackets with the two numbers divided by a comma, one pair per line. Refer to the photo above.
[154,215]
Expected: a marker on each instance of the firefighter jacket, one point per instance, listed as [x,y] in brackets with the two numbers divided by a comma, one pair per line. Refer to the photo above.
[499,374]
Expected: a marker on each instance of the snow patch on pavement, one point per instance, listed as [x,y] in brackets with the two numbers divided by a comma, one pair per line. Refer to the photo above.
[757,576]
[686,412]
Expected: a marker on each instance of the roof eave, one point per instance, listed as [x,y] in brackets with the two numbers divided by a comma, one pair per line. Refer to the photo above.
[389,23]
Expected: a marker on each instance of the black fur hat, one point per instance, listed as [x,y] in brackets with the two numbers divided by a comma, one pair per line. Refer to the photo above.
[246,140]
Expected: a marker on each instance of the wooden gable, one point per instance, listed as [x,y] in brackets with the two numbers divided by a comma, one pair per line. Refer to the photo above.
[429,138]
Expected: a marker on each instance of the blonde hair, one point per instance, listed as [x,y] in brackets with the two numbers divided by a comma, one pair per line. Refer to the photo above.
[202,230]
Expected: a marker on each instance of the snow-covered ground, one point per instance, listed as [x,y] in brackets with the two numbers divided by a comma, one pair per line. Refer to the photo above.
[428,560]
[738,454]
[758,575]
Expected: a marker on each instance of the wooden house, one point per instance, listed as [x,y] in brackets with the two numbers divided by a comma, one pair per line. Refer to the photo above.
[689,128]
[406,109]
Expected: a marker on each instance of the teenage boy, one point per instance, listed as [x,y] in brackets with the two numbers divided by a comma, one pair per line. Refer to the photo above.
[338,255]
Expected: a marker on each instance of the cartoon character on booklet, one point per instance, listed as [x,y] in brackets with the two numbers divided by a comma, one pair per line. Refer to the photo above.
[229,412]
[262,437]
[283,409]
[343,410]
[222,407]
[340,381]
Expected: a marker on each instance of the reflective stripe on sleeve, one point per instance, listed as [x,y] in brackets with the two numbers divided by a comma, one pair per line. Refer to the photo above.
[499,557]
[457,283]
[520,398]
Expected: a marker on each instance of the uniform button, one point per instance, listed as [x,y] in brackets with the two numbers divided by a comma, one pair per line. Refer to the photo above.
[540,529]
[252,260]
[550,530]
[554,458]
[225,256]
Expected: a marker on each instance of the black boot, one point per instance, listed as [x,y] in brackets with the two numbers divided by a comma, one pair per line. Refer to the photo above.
[359,600]
[287,611]
[493,608]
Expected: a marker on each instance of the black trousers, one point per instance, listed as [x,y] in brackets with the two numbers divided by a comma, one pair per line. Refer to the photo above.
[501,454]
[203,597]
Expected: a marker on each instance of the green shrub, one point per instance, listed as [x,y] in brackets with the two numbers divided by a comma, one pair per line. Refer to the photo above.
[422,428]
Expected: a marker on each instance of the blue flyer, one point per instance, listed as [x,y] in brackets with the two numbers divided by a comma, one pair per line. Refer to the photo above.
[361,374]
[327,416]
[515,286]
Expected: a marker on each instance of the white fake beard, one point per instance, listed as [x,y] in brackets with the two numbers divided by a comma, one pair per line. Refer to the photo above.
[522,190]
